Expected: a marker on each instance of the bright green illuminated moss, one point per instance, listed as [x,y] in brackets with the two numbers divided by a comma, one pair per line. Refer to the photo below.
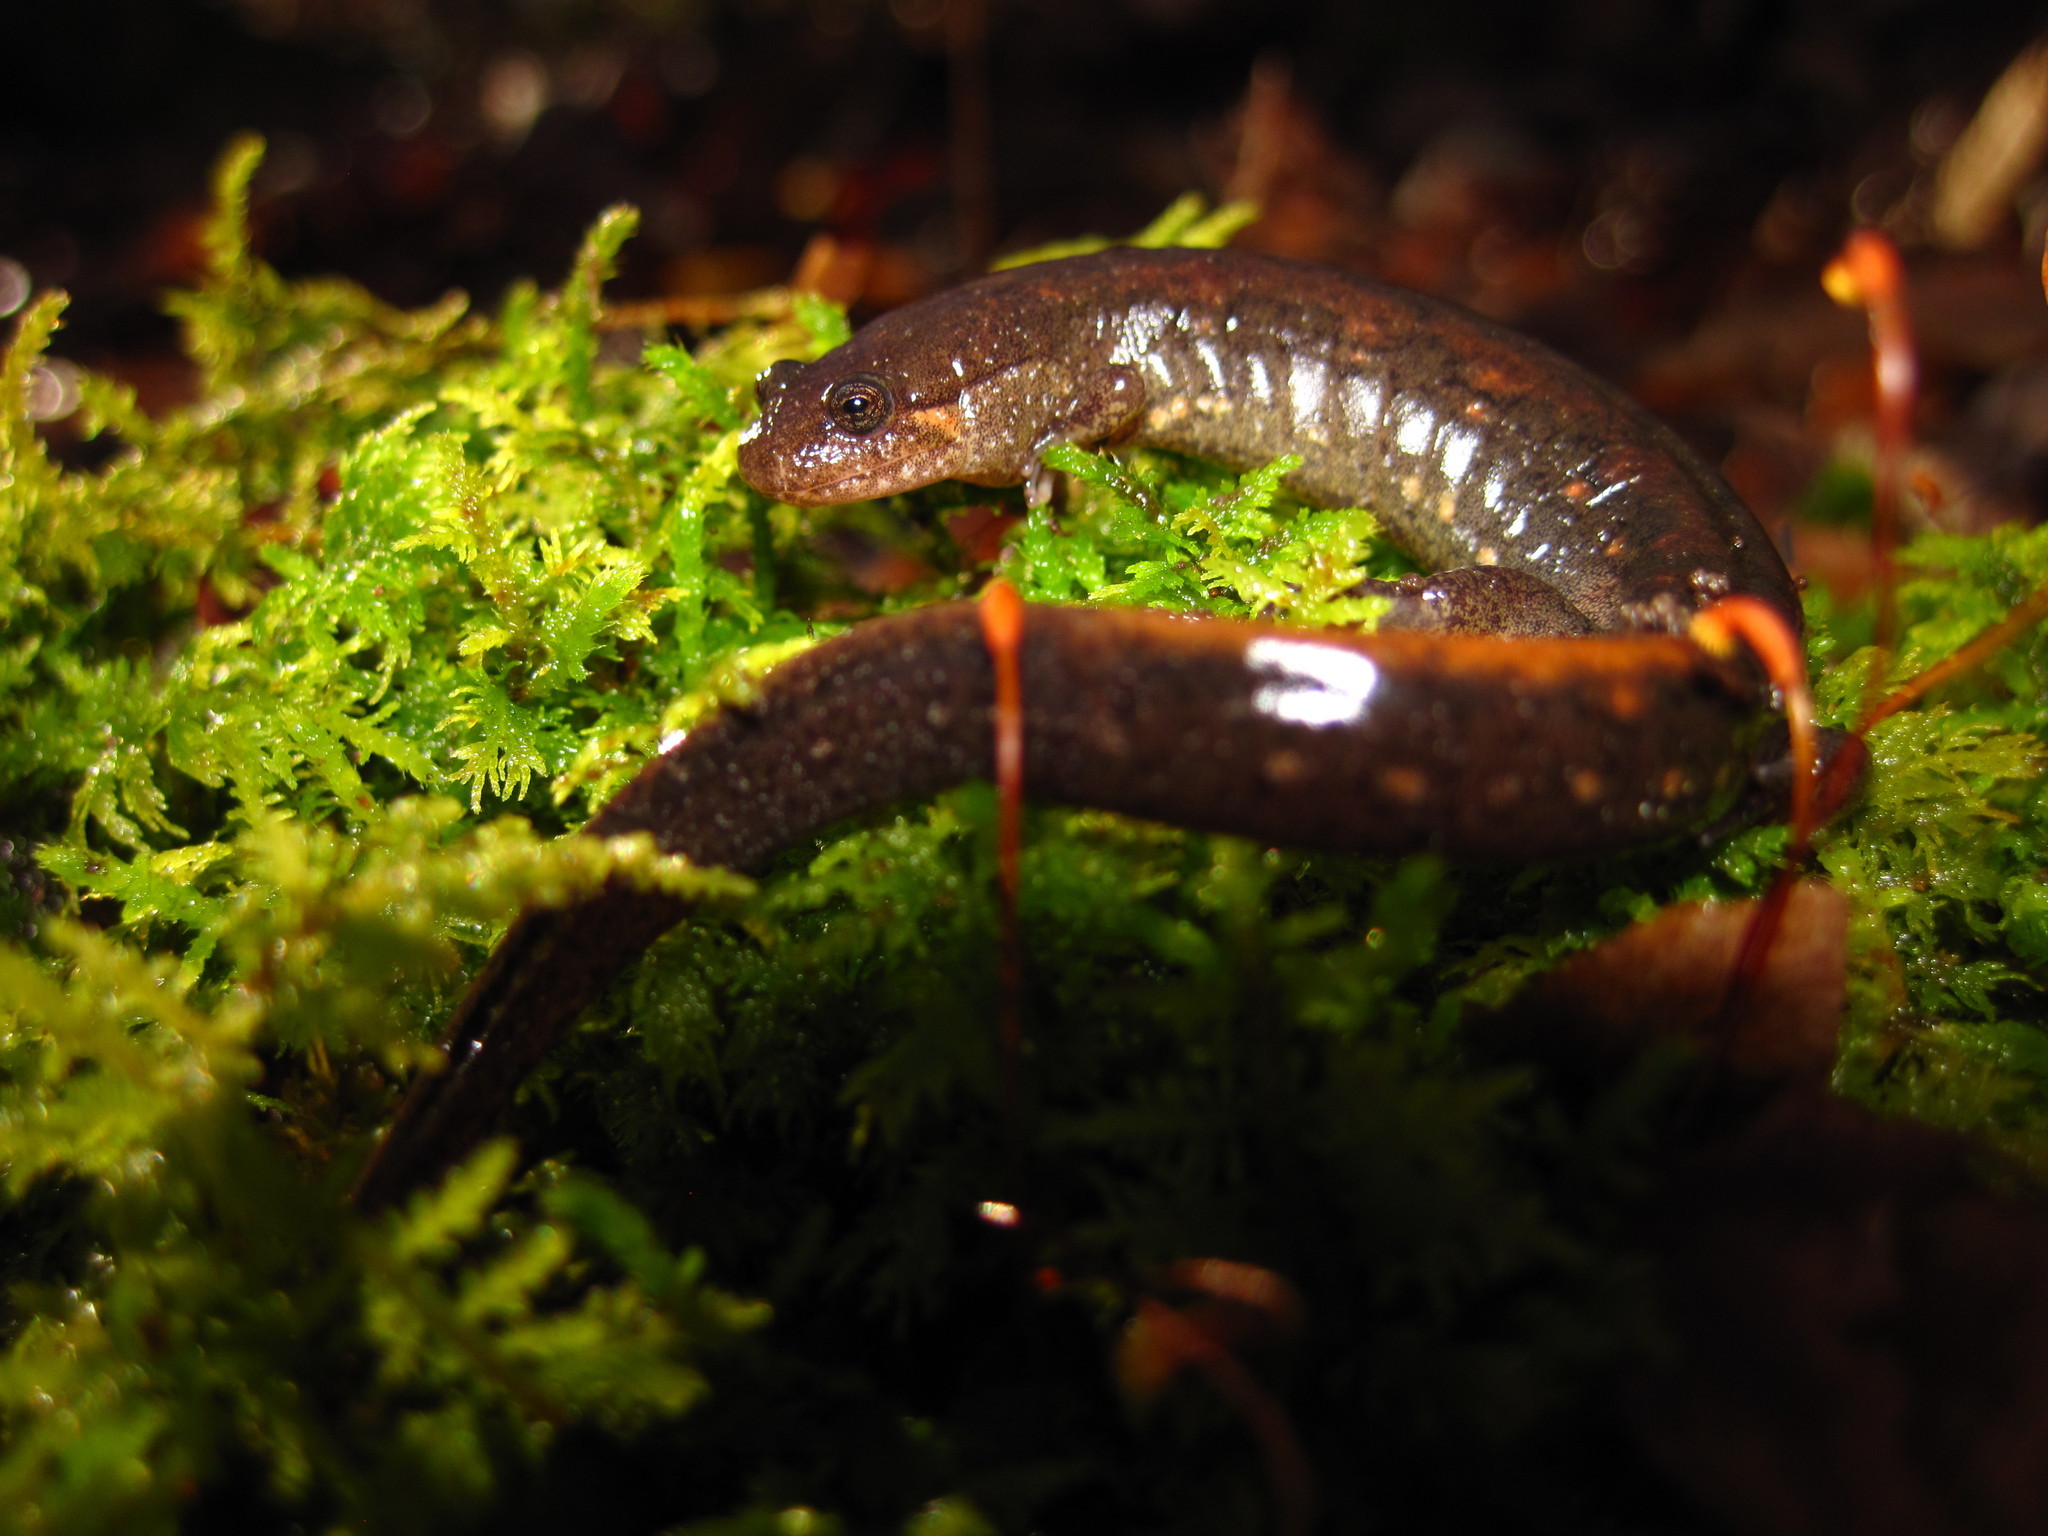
[472,572]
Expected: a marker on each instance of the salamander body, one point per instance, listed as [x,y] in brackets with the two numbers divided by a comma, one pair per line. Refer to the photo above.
[1556,507]
[1480,449]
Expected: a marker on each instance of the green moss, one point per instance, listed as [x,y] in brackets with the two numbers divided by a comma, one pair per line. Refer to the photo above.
[471,573]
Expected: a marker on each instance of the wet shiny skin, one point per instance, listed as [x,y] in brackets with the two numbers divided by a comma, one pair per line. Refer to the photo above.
[1480,449]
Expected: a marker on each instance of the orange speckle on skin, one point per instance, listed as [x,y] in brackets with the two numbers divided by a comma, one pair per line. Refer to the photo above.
[936,423]
[1625,701]
[1586,786]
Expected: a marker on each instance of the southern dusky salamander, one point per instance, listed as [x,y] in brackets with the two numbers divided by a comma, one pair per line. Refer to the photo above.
[1480,450]
[1533,700]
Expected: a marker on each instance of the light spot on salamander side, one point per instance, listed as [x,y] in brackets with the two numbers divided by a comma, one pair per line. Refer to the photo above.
[1447,507]
[1676,782]
[1407,785]
[1212,361]
[1578,490]
[1411,489]
[1415,428]
[1587,787]
[1456,450]
[1308,381]
[1487,555]
[1504,791]
[1363,401]
[1303,682]
[823,748]
[1261,380]
[1137,334]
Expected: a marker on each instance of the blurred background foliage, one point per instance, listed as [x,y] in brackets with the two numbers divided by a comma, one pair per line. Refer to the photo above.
[1648,184]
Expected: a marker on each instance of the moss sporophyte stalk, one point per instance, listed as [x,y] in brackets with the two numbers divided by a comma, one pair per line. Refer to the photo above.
[460,576]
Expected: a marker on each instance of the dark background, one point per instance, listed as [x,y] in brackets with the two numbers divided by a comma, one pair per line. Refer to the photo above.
[1612,174]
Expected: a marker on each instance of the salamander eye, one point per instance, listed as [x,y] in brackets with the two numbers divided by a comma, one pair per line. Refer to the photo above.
[859,405]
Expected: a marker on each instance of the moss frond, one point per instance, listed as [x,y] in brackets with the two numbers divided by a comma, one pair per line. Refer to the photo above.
[297,692]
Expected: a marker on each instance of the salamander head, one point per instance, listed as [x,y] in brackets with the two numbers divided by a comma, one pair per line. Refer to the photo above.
[969,384]
[893,409]
[829,434]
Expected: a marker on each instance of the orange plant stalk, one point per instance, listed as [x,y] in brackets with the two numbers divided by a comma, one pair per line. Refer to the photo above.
[1002,628]
[1869,274]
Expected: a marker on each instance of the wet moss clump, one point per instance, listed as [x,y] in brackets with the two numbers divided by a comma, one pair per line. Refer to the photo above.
[298,690]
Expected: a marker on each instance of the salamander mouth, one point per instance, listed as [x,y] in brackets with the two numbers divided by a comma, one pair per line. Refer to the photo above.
[770,473]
